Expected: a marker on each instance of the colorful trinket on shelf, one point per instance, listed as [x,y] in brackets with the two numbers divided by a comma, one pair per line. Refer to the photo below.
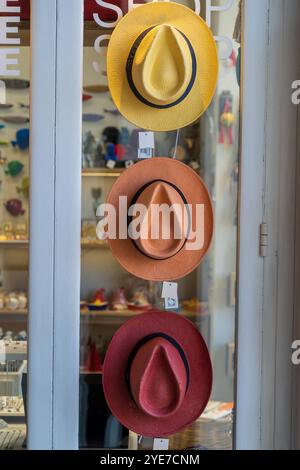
[14,207]
[226,118]
[110,152]
[119,301]
[92,362]
[24,188]
[14,168]
[16,83]
[22,139]
[15,119]
[96,89]
[99,301]
[92,117]
[139,301]
[86,97]
[120,151]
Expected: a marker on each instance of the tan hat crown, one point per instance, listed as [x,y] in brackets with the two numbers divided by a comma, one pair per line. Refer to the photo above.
[162,236]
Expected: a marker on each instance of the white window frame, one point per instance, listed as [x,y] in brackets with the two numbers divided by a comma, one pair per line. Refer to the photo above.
[264,380]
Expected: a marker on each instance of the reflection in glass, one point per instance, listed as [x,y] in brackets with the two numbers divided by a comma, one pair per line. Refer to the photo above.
[109,294]
[14,212]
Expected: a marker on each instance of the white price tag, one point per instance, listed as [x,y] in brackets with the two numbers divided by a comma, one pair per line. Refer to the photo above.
[170,294]
[146,145]
[161,444]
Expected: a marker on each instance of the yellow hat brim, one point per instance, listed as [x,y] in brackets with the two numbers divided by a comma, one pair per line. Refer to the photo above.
[202,40]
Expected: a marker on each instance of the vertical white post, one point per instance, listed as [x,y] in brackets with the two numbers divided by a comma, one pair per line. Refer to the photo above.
[67,223]
[41,264]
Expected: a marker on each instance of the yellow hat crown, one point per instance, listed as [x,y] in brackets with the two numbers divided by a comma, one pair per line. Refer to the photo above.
[161,67]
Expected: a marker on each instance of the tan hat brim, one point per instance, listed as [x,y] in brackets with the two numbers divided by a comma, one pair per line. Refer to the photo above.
[194,191]
[201,38]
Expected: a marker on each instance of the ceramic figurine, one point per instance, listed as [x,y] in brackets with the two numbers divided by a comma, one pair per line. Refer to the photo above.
[119,301]
[21,232]
[96,195]
[88,149]
[226,118]
[124,137]
[14,168]
[14,207]
[24,188]
[99,302]
[139,301]
[110,152]
[15,119]
[7,231]
[98,156]
[92,117]
[96,89]
[92,362]
[120,151]
[16,83]
[22,139]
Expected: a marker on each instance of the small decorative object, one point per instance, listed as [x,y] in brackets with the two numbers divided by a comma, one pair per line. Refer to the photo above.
[88,230]
[2,159]
[7,231]
[96,195]
[98,156]
[15,119]
[21,336]
[11,301]
[24,188]
[99,302]
[139,301]
[86,97]
[124,137]
[231,61]
[90,117]
[24,106]
[93,362]
[14,168]
[96,89]
[16,83]
[179,153]
[2,302]
[21,232]
[226,118]
[88,149]
[120,151]
[22,139]
[22,299]
[110,152]
[14,207]
[111,135]
[119,301]
[129,163]
[194,305]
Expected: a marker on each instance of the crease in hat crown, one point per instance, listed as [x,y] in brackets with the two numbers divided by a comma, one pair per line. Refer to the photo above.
[162,65]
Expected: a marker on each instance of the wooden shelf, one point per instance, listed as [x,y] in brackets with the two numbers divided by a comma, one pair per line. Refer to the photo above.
[13,313]
[103,172]
[25,243]
[14,243]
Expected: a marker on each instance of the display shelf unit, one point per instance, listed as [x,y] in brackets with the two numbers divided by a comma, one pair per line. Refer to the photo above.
[102,172]
[25,244]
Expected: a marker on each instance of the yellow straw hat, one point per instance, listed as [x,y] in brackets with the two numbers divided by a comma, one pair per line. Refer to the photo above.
[162,66]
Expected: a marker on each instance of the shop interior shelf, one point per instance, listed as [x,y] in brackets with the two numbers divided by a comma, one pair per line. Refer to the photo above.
[24,244]
[104,172]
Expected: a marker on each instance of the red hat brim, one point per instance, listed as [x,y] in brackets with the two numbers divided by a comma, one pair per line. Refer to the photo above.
[116,390]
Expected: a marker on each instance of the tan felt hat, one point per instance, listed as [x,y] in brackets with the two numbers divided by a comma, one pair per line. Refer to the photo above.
[166,248]
[162,66]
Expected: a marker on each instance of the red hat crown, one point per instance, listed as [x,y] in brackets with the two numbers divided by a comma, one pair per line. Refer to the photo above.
[158,377]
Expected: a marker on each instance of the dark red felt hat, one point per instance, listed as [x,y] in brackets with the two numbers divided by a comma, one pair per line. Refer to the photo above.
[157,374]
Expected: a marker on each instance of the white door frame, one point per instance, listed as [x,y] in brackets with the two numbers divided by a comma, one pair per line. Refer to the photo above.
[262,418]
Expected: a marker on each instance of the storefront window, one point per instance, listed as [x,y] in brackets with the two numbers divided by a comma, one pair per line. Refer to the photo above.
[14,213]
[110,295]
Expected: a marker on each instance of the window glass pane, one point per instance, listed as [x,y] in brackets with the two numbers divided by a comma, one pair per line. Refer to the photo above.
[207,296]
[14,213]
